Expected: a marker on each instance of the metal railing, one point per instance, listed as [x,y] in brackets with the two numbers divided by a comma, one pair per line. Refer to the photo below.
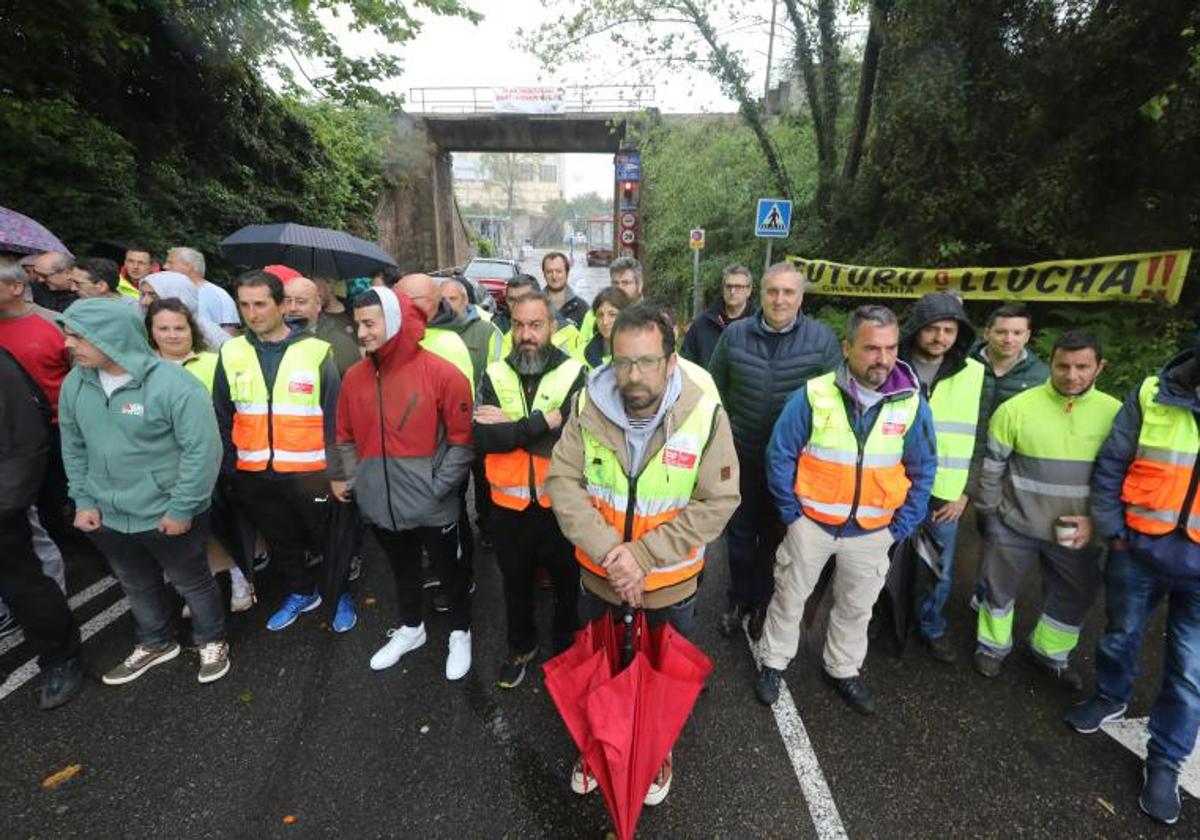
[576,99]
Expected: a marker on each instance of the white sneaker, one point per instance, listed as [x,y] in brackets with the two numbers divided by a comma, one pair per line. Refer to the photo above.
[458,660]
[401,640]
[241,600]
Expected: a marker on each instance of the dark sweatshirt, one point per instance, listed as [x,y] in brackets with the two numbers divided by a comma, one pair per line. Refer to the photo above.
[529,433]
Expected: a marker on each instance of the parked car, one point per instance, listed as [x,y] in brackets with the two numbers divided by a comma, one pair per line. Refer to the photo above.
[492,275]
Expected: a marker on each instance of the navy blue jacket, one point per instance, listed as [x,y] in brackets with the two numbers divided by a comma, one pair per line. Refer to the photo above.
[756,372]
[706,330]
[792,432]
[1172,554]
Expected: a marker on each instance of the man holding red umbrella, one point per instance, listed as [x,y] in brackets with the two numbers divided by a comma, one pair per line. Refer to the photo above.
[643,477]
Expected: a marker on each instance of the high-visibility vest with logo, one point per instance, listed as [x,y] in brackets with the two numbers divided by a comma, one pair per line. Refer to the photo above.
[835,478]
[1157,482]
[955,406]
[660,492]
[518,477]
[284,428]
[449,345]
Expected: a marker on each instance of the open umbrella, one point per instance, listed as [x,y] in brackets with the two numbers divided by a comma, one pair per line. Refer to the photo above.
[314,252]
[625,721]
[20,234]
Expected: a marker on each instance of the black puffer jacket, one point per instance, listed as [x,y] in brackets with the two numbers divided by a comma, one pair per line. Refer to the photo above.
[705,331]
[756,371]
[933,307]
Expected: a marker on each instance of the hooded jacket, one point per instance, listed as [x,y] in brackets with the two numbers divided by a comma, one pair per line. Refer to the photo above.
[172,284]
[575,309]
[756,371]
[714,498]
[1173,553]
[404,427]
[455,352]
[481,338]
[149,450]
[706,329]
[919,457]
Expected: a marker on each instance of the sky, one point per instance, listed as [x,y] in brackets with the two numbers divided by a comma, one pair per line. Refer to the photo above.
[451,52]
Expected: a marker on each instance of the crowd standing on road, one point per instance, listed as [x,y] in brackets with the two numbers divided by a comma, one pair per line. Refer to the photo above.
[147,408]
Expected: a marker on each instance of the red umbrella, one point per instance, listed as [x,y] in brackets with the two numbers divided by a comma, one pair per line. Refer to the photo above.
[626,721]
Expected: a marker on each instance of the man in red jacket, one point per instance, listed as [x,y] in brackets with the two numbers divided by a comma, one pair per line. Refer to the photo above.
[404,447]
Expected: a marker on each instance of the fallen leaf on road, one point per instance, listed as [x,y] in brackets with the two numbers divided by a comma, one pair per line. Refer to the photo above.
[425,729]
[55,779]
[246,696]
[1107,806]
[290,819]
[369,601]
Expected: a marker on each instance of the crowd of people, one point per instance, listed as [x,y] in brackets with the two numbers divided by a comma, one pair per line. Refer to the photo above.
[143,404]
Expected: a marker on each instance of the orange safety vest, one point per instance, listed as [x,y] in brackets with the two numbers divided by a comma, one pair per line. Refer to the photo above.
[1157,482]
[835,477]
[518,477]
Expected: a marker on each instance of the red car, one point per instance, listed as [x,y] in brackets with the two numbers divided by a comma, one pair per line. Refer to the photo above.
[493,275]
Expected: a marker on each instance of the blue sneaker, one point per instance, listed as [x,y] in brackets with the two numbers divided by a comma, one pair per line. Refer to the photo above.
[295,604]
[344,618]
[1087,717]
[1160,794]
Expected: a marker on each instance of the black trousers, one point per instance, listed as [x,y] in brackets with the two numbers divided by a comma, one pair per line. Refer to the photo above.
[35,600]
[466,537]
[290,514]
[753,534]
[53,506]
[680,615]
[525,540]
[403,550]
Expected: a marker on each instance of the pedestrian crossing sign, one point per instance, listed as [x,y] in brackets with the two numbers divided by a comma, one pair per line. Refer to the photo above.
[773,219]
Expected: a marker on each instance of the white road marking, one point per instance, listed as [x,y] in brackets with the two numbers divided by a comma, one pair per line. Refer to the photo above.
[97,623]
[821,807]
[74,602]
[1131,733]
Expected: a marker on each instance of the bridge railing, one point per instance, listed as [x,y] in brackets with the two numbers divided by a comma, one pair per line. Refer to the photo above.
[577,99]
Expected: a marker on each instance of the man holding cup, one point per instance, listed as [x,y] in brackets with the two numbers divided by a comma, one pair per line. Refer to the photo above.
[1034,489]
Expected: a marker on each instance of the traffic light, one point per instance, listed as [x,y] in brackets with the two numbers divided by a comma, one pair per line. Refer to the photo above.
[629,195]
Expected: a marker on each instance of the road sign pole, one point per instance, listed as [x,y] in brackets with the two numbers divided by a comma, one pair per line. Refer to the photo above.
[767,263]
[697,292]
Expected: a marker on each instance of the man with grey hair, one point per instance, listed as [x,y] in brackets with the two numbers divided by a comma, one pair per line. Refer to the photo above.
[215,303]
[851,464]
[758,362]
[53,288]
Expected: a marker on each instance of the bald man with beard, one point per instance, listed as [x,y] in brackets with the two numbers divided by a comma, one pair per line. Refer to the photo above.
[302,301]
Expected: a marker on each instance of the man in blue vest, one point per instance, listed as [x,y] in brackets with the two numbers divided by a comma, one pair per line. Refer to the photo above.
[935,343]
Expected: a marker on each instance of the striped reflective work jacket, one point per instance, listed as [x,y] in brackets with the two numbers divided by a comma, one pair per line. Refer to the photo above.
[517,477]
[836,477]
[955,406]
[285,427]
[634,505]
[1159,479]
[1041,449]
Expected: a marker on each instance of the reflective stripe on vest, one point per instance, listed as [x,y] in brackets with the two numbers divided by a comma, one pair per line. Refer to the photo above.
[834,478]
[286,427]
[449,345]
[518,477]
[1157,482]
[955,406]
[655,496]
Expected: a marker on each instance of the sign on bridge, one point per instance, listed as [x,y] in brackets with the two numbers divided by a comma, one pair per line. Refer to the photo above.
[530,100]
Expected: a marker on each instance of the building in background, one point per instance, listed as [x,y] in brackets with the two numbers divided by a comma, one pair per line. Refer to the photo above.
[503,196]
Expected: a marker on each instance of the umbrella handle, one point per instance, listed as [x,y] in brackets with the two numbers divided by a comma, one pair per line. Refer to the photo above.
[627,642]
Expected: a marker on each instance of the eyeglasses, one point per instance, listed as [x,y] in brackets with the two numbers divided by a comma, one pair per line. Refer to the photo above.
[737,287]
[645,364]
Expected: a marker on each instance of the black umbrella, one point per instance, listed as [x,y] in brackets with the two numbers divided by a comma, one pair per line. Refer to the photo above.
[232,528]
[343,525]
[914,570]
[314,252]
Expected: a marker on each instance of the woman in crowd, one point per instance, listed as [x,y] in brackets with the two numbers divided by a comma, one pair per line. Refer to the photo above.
[608,303]
[175,336]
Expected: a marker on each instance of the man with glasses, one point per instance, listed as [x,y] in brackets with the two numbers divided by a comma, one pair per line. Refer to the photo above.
[53,289]
[643,478]
[733,305]
[99,278]
[757,364]
[624,273]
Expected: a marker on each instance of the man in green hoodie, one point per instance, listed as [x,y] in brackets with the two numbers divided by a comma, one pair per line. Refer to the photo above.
[141,451]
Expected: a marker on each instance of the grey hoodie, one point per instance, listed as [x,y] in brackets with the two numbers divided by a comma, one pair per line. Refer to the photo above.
[602,389]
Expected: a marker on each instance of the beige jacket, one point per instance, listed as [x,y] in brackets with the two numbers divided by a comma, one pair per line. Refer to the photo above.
[714,498]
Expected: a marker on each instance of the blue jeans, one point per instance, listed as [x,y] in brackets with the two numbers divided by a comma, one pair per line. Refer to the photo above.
[930,618]
[1133,591]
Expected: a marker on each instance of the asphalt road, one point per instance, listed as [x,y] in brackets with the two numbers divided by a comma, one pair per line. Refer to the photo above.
[301,728]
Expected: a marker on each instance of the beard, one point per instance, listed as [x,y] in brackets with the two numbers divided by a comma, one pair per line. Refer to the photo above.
[529,360]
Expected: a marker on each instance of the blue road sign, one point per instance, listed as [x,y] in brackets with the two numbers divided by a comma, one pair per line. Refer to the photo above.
[629,166]
[773,220]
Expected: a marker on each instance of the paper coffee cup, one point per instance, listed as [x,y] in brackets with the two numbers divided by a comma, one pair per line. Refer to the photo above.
[1065,532]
